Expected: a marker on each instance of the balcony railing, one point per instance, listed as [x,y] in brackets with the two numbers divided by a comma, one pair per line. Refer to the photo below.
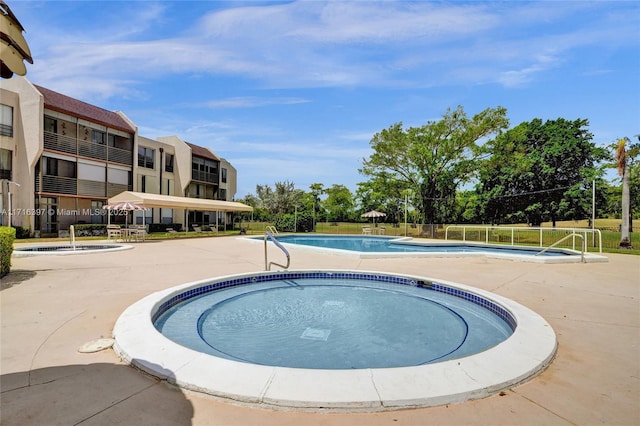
[60,143]
[92,150]
[114,189]
[91,187]
[72,186]
[204,176]
[118,155]
[57,185]
[56,142]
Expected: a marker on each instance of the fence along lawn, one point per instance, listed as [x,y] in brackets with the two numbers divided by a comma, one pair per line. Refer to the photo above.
[608,228]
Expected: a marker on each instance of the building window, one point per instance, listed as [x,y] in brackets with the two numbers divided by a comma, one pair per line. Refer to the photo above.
[61,168]
[97,137]
[6,120]
[96,214]
[204,170]
[47,222]
[166,215]
[143,183]
[223,176]
[145,157]
[223,194]
[50,125]
[5,163]
[168,163]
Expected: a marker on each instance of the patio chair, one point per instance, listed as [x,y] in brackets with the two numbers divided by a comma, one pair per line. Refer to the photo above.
[197,228]
[366,230]
[140,232]
[172,231]
[115,232]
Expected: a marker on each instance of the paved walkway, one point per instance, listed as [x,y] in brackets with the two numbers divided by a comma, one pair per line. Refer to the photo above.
[51,306]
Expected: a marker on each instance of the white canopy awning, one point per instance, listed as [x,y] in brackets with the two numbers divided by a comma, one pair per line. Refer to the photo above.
[172,202]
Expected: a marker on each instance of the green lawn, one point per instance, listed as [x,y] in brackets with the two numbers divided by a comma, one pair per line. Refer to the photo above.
[521,236]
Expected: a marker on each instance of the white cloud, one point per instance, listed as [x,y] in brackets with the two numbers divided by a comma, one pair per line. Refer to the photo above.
[253,102]
[323,44]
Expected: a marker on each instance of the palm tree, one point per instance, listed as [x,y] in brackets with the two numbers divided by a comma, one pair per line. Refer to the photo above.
[623,170]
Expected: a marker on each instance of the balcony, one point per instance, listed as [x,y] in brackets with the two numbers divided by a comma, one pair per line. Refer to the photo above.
[92,150]
[122,156]
[114,189]
[60,143]
[57,185]
[204,176]
[91,188]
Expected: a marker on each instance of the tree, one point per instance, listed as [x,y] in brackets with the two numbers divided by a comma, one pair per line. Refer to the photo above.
[385,193]
[282,199]
[623,170]
[253,201]
[434,159]
[317,189]
[540,170]
[339,203]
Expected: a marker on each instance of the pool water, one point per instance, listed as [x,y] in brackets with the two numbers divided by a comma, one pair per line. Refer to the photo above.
[371,244]
[333,324]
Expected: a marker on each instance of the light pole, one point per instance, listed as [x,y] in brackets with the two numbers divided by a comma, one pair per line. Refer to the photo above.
[406,201]
[9,198]
[593,214]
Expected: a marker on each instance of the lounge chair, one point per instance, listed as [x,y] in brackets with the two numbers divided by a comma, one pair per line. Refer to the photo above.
[197,228]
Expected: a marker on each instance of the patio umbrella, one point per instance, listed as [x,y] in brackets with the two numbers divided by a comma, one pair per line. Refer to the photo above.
[127,207]
[373,214]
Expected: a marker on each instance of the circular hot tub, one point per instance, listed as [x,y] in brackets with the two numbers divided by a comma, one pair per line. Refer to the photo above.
[335,339]
[66,249]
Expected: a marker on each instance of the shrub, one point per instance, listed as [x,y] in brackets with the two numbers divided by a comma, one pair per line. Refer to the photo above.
[162,227]
[7,235]
[90,229]
[287,223]
[21,232]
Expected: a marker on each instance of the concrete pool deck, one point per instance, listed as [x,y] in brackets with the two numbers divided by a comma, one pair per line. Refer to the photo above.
[53,305]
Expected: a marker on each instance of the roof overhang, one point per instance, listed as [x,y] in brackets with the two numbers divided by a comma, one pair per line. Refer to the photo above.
[172,202]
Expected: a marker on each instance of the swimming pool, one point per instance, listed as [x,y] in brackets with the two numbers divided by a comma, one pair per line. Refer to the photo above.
[527,350]
[65,249]
[387,247]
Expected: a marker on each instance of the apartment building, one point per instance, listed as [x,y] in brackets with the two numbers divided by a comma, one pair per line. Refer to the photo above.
[61,160]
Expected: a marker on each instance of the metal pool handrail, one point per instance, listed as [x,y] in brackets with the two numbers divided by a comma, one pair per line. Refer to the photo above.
[267,264]
[272,229]
[566,237]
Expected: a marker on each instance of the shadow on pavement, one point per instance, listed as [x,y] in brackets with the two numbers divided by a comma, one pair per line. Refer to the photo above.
[15,278]
[92,394]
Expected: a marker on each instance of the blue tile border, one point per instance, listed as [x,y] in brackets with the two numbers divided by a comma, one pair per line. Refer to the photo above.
[491,306]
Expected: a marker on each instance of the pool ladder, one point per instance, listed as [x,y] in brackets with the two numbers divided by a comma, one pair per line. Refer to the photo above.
[267,265]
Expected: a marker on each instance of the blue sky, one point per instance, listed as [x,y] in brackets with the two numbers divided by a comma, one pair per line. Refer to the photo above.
[296,90]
